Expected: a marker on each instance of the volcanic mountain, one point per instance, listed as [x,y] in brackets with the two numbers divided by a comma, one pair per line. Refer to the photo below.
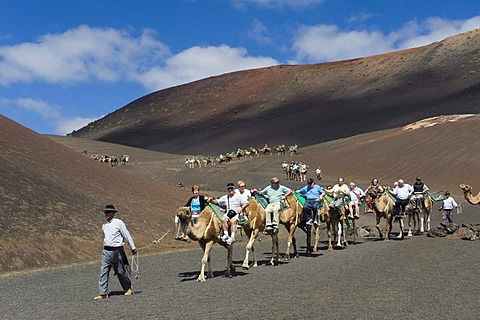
[301,104]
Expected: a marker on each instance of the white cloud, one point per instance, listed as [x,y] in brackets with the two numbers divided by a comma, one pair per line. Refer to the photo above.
[328,43]
[67,125]
[200,62]
[79,55]
[49,112]
[322,43]
[259,32]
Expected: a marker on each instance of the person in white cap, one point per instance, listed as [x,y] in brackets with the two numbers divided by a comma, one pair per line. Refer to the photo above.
[113,254]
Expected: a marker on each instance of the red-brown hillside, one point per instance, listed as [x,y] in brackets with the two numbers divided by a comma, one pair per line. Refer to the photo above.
[51,201]
[304,104]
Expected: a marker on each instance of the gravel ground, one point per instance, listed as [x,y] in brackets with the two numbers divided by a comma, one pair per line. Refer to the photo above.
[418,278]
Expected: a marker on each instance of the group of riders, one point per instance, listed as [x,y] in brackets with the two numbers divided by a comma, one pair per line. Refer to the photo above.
[344,199]
[111,160]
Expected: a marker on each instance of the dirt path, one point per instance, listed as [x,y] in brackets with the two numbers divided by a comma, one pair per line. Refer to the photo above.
[418,278]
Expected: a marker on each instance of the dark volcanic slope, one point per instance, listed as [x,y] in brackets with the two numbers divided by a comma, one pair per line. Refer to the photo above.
[442,150]
[304,104]
[51,199]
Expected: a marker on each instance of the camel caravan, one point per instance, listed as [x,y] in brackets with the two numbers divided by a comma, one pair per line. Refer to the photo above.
[111,160]
[334,213]
[198,161]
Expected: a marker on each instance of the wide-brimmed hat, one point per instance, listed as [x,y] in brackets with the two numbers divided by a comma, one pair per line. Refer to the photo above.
[109,208]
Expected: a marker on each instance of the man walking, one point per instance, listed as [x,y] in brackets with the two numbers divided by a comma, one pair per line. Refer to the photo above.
[113,255]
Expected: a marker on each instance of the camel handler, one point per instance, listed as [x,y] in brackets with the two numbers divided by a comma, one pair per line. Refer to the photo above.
[234,205]
[339,192]
[113,255]
[275,193]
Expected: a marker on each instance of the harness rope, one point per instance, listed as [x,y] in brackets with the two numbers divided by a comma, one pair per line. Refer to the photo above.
[135,266]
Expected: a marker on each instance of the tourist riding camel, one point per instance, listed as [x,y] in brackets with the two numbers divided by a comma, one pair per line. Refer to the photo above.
[356,195]
[419,191]
[314,194]
[374,186]
[234,205]
[275,193]
[339,192]
[245,196]
[402,193]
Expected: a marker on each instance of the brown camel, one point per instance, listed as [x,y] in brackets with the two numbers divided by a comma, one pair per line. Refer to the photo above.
[384,207]
[420,216]
[206,231]
[256,223]
[289,217]
[467,193]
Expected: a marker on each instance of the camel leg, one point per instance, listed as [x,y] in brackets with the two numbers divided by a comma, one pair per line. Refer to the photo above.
[400,224]
[230,267]
[388,227]
[249,248]
[205,260]
[427,219]
[378,226]
[275,257]
[308,230]
[317,238]
[291,242]
[339,233]
[345,231]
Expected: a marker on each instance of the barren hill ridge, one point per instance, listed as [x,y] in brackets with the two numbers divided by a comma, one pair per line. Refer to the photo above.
[302,104]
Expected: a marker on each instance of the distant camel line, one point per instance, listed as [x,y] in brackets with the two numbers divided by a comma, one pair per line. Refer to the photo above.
[197,161]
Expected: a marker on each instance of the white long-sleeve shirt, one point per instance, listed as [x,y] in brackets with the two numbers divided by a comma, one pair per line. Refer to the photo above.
[449,204]
[116,234]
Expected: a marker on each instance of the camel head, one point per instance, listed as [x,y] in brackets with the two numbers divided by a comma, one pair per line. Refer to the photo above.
[184,213]
[372,192]
[466,188]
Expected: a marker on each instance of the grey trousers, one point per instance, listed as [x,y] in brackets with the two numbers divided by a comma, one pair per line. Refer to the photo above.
[448,215]
[112,259]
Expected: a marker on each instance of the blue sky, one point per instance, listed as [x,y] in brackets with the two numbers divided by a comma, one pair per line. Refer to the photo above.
[65,63]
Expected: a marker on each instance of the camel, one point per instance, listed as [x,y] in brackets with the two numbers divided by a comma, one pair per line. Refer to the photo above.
[193,163]
[206,231]
[289,217]
[303,172]
[254,152]
[293,150]
[420,216]
[467,193]
[256,223]
[384,207]
[265,150]
[280,149]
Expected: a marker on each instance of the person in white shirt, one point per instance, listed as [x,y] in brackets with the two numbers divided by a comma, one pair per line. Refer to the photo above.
[402,193]
[356,195]
[113,254]
[447,206]
[339,192]
[233,205]
[244,194]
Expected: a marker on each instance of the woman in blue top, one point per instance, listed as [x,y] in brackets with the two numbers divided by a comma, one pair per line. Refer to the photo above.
[197,203]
